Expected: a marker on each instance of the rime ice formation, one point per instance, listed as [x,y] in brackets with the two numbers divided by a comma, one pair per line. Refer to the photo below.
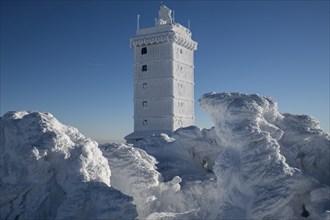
[255,163]
[51,171]
[163,77]
[245,126]
[238,169]
[134,173]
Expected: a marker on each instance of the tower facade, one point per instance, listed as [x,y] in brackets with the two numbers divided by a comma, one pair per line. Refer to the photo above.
[163,77]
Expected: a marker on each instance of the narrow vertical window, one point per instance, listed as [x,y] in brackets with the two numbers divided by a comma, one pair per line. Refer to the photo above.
[144,85]
[181,51]
[144,68]
[144,50]
[145,122]
[145,104]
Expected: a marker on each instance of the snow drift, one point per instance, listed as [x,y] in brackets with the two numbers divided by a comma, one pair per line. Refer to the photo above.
[51,171]
[255,163]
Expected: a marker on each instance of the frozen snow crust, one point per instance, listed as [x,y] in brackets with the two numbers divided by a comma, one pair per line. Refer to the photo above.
[51,171]
[255,163]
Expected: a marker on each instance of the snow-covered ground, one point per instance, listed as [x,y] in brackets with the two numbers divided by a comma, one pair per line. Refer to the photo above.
[255,163]
[51,171]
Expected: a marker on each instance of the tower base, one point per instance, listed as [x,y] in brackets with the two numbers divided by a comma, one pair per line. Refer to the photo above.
[139,135]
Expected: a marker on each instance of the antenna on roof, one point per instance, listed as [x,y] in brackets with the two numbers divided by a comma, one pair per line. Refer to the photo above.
[189,24]
[138,22]
[173,16]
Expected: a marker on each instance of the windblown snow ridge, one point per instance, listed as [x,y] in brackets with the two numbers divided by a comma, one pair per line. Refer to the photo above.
[252,170]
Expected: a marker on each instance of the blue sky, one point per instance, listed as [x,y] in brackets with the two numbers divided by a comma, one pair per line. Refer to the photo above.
[73,59]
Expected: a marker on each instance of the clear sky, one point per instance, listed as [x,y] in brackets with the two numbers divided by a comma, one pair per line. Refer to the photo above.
[73,58]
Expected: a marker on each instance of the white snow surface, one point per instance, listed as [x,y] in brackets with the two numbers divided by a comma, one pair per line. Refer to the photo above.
[51,171]
[255,163]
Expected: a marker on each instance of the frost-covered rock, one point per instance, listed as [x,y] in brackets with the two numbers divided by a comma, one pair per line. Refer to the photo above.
[255,163]
[255,180]
[134,173]
[306,146]
[238,169]
[51,171]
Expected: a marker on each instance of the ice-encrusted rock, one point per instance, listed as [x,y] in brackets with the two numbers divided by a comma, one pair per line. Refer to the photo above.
[305,146]
[134,173]
[238,168]
[255,163]
[255,180]
[51,171]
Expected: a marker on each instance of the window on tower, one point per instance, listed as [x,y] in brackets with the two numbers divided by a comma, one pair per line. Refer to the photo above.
[144,50]
[144,68]
[144,85]
[145,122]
[145,104]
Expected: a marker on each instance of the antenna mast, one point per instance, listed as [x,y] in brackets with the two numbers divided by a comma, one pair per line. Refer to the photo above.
[173,16]
[189,24]
[138,22]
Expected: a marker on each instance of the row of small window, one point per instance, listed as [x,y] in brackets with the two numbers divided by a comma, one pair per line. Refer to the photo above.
[145,122]
[145,68]
[144,50]
[145,104]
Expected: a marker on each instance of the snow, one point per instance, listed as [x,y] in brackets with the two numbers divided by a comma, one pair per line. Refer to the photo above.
[255,163]
[51,171]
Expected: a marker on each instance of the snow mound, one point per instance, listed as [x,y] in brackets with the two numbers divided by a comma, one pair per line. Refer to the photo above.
[51,171]
[249,166]
[305,146]
[135,174]
[255,163]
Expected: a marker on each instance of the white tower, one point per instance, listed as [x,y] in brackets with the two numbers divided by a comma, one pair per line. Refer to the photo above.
[163,77]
